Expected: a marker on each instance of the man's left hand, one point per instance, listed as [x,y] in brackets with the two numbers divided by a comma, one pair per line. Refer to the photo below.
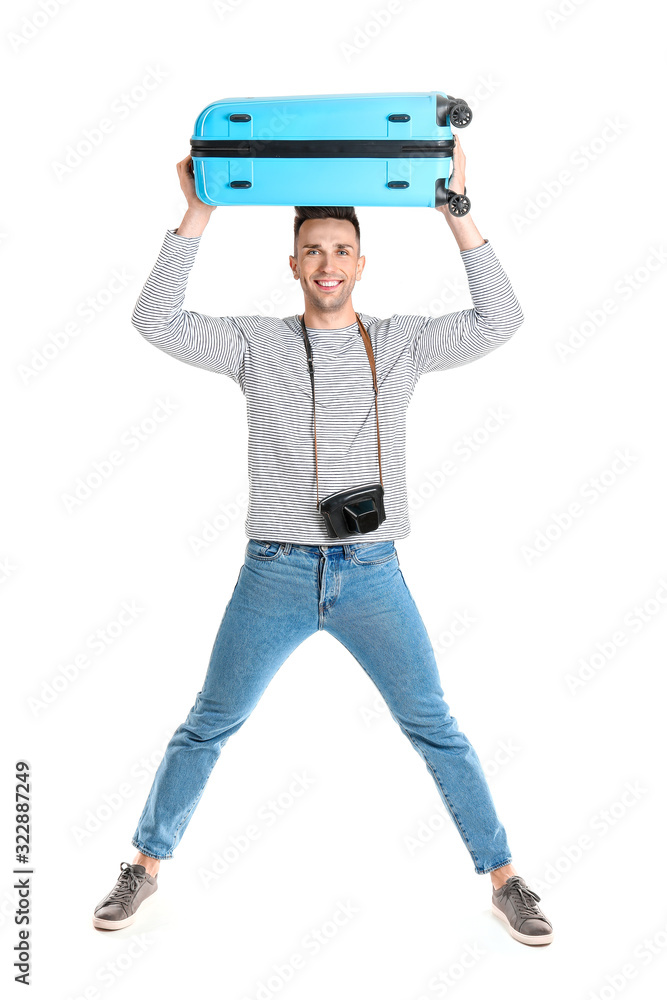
[457,179]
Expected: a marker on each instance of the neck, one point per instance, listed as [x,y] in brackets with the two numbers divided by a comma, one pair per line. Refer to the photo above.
[321,320]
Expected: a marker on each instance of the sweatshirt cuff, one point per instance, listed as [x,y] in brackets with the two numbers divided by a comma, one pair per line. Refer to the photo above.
[181,248]
[181,239]
[474,251]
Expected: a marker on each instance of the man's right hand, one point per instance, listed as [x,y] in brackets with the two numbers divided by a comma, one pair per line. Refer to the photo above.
[186,177]
[198,213]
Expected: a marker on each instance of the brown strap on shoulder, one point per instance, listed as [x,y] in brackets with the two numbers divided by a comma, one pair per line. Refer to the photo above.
[369,351]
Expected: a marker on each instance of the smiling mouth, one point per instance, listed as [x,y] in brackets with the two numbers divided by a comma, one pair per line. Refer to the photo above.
[328,283]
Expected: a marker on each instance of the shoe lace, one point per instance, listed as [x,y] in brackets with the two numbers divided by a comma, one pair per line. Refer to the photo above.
[524,899]
[128,881]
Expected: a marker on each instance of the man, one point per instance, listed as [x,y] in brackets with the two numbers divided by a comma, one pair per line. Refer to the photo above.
[296,579]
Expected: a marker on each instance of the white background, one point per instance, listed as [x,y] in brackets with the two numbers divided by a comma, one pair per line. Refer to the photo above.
[586,259]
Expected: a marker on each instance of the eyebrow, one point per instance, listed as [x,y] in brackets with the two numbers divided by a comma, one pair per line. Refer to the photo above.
[312,246]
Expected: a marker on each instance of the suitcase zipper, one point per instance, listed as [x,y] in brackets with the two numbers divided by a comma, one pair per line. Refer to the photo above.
[380,148]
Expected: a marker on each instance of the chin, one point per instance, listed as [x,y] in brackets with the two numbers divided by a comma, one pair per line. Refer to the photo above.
[328,301]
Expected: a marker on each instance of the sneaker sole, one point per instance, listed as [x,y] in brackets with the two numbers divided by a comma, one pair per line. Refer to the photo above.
[523,938]
[115,925]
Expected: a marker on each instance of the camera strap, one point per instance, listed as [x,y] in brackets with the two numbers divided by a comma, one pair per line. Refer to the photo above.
[369,351]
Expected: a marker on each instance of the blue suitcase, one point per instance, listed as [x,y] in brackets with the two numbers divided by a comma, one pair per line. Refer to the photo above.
[329,149]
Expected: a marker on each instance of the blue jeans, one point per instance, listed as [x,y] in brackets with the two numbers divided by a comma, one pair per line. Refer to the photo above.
[356,592]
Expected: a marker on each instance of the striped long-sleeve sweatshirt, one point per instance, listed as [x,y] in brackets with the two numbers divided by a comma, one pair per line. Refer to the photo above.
[266,357]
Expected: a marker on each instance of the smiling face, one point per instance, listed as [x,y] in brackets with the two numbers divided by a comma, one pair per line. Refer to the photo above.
[328,265]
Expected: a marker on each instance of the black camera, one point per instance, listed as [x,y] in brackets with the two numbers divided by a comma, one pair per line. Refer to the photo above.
[358,509]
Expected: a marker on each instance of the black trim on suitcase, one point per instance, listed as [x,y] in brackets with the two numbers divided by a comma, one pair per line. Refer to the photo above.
[380,148]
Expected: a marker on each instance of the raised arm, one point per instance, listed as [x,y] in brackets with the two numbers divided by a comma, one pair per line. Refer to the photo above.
[457,338]
[217,343]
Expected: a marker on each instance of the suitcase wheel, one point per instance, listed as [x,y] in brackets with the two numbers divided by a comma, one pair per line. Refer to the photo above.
[459,204]
[460,114]
[454,108]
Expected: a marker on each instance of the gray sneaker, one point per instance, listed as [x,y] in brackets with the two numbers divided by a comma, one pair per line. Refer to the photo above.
[516,904]
[119,907]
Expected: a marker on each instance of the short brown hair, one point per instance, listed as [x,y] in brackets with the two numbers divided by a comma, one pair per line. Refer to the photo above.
[304,212]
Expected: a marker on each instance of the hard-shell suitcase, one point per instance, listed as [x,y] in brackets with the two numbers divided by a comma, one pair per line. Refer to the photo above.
[329,149]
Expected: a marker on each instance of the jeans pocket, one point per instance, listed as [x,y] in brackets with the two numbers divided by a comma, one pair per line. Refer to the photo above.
[264,551]
[372,553]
